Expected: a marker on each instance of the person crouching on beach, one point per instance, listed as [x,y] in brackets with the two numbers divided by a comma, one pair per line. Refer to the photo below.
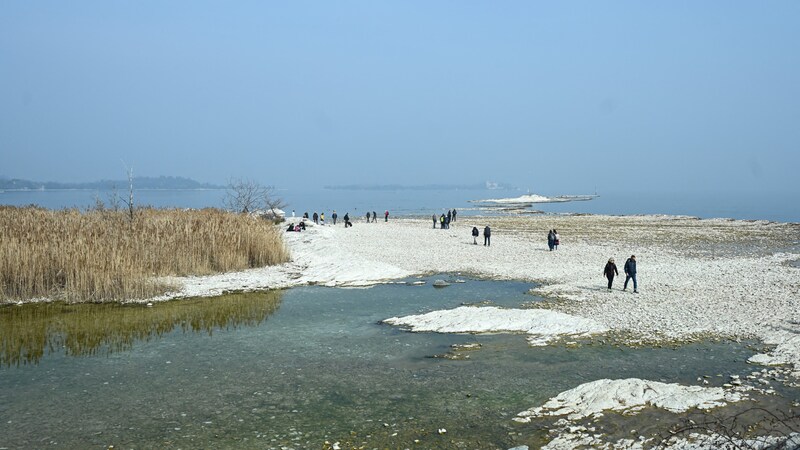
[610,271]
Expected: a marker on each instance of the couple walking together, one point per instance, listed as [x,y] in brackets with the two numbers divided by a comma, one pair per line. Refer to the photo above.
[630,273]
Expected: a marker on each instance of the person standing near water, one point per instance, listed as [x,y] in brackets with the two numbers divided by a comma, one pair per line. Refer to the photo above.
[609,271]
[487,236]
[630,273]
[551,240]
[316,217]
[475,234]
[334,216]
[375,217]
[434,221]
[386,216]
[454,214]
[556,239]
[322,218]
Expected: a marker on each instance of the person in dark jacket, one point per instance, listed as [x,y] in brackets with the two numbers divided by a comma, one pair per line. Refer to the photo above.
[441,221]
[475,234]
[487,236]
[630,273]
[375,216]
[386,216]
[454,214]
[334,216]
[551,240]
[316,217]
[367,216]
[346,219]
[610,271]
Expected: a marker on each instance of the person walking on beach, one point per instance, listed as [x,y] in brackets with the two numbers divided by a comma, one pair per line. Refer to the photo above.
[367,216]
[375,216]
[386,216]
[551,240]
[316,217]
[434,221]
[610,271]
[556,239]
[346,219]
[487,236]
[454,214]
[630,273]
[475,234]
[334,216]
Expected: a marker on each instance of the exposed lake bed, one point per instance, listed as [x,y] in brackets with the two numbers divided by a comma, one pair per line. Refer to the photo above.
[717,303]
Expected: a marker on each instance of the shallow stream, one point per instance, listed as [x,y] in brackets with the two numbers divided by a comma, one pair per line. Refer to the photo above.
[297,368]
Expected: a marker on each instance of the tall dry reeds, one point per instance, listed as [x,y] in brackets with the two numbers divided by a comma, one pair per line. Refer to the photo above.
[103,256]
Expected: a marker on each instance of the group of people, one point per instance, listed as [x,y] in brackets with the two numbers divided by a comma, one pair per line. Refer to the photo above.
[300,226]
[375,216]
[319,219]
[487,236]
[553,240]
[630,273]
[444,220]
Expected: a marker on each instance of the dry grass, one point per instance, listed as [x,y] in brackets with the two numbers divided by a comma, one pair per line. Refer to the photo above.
[102,256]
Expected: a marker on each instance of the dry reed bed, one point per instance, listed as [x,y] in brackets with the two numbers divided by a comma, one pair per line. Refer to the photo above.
[103,256]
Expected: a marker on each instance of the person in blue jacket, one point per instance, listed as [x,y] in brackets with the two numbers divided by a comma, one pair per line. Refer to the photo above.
[630,273]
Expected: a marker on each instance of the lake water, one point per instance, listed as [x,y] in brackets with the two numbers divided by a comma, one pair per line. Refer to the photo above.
[299,367]
[781,207]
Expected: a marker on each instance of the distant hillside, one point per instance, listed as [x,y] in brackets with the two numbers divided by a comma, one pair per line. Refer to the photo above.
[161,182]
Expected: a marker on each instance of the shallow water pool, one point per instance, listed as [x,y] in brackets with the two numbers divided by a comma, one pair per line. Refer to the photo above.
[297,368]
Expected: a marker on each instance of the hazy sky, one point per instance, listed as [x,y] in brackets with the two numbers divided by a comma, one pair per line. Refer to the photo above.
[557,97]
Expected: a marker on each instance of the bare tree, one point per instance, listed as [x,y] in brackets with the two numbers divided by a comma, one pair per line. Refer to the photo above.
[248,196]
[129,201]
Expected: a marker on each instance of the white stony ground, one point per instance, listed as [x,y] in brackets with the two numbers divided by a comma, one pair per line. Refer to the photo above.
[629,396]
[719,277]
[696,277]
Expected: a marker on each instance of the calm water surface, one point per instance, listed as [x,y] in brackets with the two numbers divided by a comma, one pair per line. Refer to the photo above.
[779,207]
[296,368]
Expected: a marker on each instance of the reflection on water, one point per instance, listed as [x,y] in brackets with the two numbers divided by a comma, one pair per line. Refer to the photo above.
[322,368]
[30,332]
